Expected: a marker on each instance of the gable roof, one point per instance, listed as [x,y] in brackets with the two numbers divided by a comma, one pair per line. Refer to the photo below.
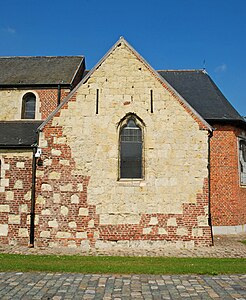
[154,72]
[39,70]
[18,133]
[203,95]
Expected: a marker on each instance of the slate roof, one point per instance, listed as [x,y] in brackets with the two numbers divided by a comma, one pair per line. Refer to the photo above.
[39,70]
[18,133]
[199,90]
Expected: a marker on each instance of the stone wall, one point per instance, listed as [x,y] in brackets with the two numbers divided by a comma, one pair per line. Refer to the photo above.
[228,197]
[15,196]
[82,203]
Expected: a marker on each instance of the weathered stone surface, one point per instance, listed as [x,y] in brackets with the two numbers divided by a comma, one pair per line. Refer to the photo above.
[72,224]
[54,175]
[18,184]
[83,211]
[91,224]
[197,232]
[5,182]
[53,223]
[85,245]
[40,200]
[153,221]
[182,231]
[202,220]
[171,222]
[27,196]
[45,234]
[23,232]
[20,164]
[56,152]
[64,210]
[56,198]
[4,208]
[14,219]
[75,199]
[162,231]
[46,187]
[45,212]
[81,235]
[4,229]
[63,235]
[66,188]
[23,208]
[147,230]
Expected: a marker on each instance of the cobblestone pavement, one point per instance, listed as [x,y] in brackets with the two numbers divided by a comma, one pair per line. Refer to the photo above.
[33,286]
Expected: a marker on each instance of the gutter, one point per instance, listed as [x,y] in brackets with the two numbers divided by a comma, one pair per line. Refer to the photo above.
[209,186]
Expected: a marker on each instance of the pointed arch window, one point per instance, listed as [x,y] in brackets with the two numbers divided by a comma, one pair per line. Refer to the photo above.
[131,150]
[28,106]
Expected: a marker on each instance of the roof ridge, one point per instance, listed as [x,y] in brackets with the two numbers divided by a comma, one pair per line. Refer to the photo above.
[181,70]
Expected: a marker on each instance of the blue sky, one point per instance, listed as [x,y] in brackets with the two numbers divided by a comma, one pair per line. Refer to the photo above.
[173,34]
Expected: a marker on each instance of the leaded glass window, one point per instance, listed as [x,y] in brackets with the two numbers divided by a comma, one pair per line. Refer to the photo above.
[131,148]
[242,160]
[28,106]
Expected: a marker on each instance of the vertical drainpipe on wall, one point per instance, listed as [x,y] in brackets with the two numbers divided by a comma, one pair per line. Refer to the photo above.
[32,213]
[58,94]
[209,190]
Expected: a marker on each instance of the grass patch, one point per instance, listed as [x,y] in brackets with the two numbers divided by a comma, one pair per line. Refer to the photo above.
[121,265]
[244,242]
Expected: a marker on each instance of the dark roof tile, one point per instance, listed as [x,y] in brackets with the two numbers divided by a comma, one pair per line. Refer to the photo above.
[18,133]
[199,90]
[39,69]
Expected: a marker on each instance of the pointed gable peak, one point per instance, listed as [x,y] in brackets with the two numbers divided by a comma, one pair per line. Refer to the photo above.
[122,41]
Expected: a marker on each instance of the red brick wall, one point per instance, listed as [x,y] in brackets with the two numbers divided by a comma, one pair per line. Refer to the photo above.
[228,198]
[48,100]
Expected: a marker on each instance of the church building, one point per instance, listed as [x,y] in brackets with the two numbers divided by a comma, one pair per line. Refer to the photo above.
[119,156]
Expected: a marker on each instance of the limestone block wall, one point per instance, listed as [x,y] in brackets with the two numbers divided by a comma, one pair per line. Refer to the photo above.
[15,195]
[11,99]
[228,197]
[82,203]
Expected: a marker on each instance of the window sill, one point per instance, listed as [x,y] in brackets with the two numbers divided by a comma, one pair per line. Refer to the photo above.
[131,182]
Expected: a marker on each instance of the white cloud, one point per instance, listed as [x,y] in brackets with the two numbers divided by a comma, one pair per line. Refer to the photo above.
[221,68]
[9,30]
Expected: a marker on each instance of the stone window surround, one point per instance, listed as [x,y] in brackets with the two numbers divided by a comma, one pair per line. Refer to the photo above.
[37,108]
[122,123]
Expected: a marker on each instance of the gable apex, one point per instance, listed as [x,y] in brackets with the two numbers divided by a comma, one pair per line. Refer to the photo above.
[196,116]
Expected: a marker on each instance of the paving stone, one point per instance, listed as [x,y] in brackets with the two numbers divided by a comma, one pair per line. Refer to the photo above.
[31,286]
